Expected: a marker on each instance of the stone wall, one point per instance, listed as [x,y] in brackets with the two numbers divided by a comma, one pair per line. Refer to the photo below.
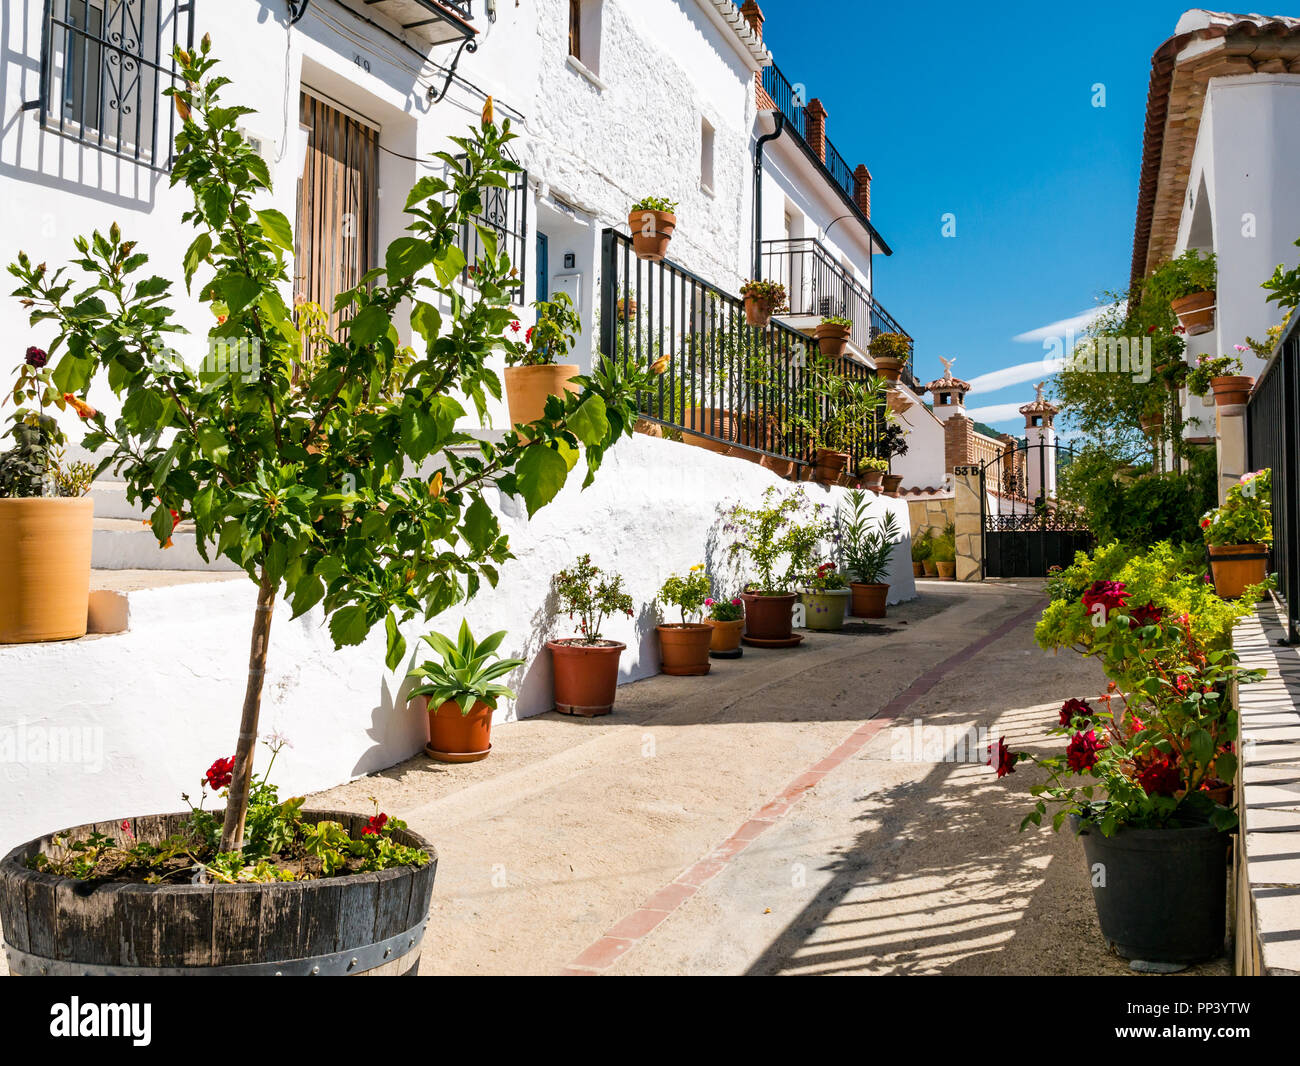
[970,524]
[931,512]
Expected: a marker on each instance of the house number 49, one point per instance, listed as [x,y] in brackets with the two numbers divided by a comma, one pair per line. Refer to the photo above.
[362,62]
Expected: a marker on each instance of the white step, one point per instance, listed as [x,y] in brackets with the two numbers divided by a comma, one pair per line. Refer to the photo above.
[129,544]
[111,502]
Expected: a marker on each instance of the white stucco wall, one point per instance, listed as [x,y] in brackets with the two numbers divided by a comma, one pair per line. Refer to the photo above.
[162,700]
[923,465]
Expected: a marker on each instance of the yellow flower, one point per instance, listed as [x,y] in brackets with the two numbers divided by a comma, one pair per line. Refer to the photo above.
[660,364]
[488,117]
[435,486]
[697,568]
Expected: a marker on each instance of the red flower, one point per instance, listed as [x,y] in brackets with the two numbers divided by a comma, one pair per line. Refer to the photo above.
[220,774]
[1161,778]
[514,326]
[1083,751]
[37,357]
[375,826]
[1073,709]
[1150,615]
[1002,758]
[1110,594]
[529,335]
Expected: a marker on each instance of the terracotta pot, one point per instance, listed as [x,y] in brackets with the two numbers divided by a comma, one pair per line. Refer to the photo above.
[719,422]
[1151,424]
[931,569]
[1236,567]
[829,465]
[684,649]
[44,568]
[758,312]
[651,233]
[586,676]
[947,571]
[527,389]
[650,429]
[1221,795]
[889,368]
[825,610]
[769,617]
[456,737]
[918,569]
[873,480]
[780,467]
[626,310]
[893,482]
[833,339]
[869,600]
[1195,312]
[1231,389]
[725,636]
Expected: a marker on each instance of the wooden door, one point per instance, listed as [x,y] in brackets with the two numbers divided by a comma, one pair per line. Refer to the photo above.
[338,204]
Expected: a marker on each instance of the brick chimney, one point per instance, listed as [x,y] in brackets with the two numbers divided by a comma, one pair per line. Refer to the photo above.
[862,189]
[754,16]
[958,442]
[815,127]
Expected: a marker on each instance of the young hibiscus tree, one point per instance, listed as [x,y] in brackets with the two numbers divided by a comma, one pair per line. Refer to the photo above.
[332,472]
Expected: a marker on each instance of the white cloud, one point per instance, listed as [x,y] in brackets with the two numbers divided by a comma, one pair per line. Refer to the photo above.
[1016,375]
[998,412]
[1075,326]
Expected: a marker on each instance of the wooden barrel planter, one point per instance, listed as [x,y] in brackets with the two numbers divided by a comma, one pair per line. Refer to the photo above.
[368,924]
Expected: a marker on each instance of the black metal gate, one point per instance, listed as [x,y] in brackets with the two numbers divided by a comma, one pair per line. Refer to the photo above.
[1026,531]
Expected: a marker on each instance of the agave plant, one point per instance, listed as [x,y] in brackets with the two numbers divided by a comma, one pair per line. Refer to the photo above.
[468,671]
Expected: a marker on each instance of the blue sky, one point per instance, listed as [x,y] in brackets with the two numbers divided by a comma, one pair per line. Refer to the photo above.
[985,112]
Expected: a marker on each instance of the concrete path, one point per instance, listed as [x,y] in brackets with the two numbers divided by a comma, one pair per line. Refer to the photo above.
[790,813]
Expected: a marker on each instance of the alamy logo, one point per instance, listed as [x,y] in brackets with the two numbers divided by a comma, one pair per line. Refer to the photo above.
[121,1020]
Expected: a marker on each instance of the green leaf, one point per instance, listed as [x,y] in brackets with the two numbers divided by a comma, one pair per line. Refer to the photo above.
[213,444]
[348,626]
[308,592]
[396,643]
[541,473]
[369,325]
[73,373]
[449,264]
[420,434]
[479,527]
[407,256]
[277,228]
[162,523]
[589,423]
[238,291]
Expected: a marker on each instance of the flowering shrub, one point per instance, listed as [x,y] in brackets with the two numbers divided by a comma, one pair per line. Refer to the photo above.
[550,339]
[591,594]
[827,579]
[726,610]
[771,294]
[34,465]
[689,594]
[1199,381]
[1246,516]
[783,527]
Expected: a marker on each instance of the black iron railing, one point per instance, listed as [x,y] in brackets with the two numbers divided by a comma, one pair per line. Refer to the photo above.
[791,101]
[504,216]
[817,285]
[1273,438]
[730,387]
[104,67]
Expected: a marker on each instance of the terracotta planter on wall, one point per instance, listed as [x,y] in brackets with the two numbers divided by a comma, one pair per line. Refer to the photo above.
[758,313]
[586,676]
[725,636]
[684,649]
[44,568]
[893,482]
[829,465]
[651,233]
[833,339]
[528,387]
[889,368]
[1195,312]
[1231,389]
[456,737]
[825,610]
[768,620]
[873,481]
[1236,567]
[1152,424]
[869,600]
[720,423]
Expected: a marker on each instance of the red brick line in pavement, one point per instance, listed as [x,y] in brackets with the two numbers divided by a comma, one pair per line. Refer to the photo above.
[627,933]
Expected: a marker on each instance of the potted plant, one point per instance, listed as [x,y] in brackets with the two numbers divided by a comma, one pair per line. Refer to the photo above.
[460,692]
[626,307]
[834,415]
[586,666]
[1152,418]
[825,598]
[652,222]
[1141,778]
[726,619]
[684,646]
[890,352]
[927,561]
[46,519]
[533,373]
[944,555]
[1238,535]
[866,554]
[921,549]
[318,489]
[763,299]
[832,335]
[1187,284]
[782,528]
[872,472]
[893,444]
[1221,375]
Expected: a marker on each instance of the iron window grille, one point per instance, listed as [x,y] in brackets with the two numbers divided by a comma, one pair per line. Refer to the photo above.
[505,213]
[104,67]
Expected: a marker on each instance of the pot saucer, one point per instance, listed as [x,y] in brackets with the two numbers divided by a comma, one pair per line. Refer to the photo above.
[457,757]
[737,653]
[759,642]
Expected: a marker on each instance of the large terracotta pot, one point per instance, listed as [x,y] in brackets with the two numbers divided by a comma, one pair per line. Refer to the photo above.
[768,618]
[918,569]
[712,420]
[889,368]
[44,568]
[684,649]
[869,600]
[586,676]
[1231,390]
[829,465]
[780,467]
[931,568]
[825,610]
[947,571]
[893,482]
[725,636]
[1195,312]
[833,339]
[651,233]
[456,737]
[527,389]
[1238,566]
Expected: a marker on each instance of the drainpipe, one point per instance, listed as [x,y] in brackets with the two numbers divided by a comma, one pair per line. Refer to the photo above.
[758,192]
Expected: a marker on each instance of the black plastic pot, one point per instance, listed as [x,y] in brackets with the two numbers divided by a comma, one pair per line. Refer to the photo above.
[1160,893]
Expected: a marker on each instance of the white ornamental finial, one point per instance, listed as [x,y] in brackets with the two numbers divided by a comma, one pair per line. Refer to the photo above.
[947,366]
[1039,389]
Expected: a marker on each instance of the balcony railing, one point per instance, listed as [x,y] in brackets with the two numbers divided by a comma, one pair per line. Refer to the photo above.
[819,286]
[792,104]
[730,387]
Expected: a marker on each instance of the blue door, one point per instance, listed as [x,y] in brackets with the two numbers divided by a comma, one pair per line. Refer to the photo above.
[543,268]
